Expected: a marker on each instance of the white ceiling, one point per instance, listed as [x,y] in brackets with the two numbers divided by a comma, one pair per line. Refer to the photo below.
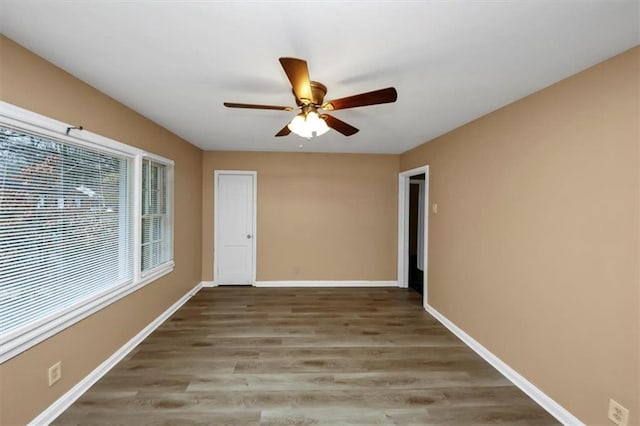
[176,62]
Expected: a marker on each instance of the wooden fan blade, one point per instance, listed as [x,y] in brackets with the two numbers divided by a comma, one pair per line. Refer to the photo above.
[284,131]
[381,96]
[251,106]
[339,125]
[298,74]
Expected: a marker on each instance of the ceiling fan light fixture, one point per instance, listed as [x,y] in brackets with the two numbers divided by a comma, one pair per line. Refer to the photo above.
[308,125]
[309,96]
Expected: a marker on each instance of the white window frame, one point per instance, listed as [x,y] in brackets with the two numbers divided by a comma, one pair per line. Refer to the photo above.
[14,342]
[169,210]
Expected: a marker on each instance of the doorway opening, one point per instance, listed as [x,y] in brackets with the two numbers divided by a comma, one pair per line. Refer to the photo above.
[416,233]
[413,230]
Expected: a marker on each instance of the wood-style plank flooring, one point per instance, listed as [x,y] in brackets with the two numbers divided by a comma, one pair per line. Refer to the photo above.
[301,356]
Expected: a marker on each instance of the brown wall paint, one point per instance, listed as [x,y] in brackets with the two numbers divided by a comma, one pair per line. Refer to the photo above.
[534,249]
[320,216]
[31,82]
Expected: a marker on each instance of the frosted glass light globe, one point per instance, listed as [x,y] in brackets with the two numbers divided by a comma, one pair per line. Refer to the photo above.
[299,126]
[317,125]
[308,126]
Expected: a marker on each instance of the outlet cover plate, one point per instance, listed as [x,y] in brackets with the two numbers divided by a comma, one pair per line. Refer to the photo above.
[55,373]
[618,414]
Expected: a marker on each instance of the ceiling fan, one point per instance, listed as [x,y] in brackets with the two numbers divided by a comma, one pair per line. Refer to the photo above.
[309,95]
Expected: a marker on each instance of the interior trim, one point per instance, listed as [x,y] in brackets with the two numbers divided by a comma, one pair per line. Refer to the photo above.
[298,283]
[541,398]
[404,179]
[65,401]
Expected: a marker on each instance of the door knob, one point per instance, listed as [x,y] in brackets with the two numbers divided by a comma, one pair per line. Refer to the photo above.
[248,236]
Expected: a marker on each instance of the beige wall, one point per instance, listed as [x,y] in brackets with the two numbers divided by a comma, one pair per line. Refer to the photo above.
[32,83]
[320,216]
[534,249]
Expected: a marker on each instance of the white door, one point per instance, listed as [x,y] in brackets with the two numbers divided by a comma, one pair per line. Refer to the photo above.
[234,212]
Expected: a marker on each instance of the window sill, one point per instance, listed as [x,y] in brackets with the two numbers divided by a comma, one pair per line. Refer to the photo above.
[17,342]
[156,272]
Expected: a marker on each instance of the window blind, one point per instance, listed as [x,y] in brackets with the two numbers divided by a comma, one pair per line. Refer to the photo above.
[65,226]
[155,222]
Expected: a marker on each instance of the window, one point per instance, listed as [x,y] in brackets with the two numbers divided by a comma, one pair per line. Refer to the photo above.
[65,228]
[84,221]
[156,244]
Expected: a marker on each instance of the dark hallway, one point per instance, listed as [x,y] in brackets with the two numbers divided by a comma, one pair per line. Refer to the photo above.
[416,223]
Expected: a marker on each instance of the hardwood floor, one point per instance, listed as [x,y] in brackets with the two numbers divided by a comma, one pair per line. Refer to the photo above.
[300,356]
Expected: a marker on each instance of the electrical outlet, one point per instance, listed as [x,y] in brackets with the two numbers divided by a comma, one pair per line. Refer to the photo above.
[618,414]
[55,373]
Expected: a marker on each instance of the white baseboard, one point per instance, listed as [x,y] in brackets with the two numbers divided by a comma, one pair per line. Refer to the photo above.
[555,409]
[209,284]
[62,403]
[326,284]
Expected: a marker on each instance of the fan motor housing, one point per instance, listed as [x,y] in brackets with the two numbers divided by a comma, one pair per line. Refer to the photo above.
[318,92]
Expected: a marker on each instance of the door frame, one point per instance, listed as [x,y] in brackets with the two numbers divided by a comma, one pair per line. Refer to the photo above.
[254,175]
[404,179]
